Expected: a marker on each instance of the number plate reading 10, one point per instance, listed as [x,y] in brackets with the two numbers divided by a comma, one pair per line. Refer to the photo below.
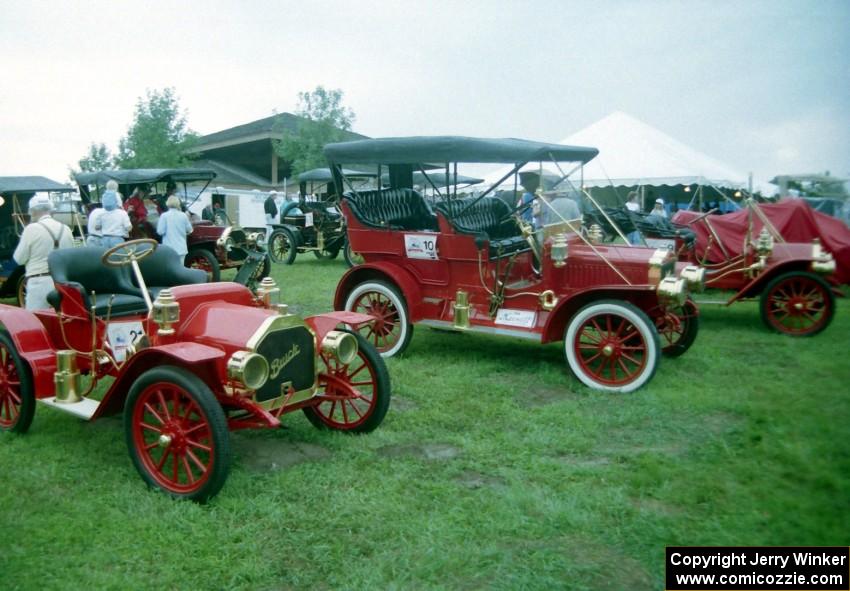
[421,246]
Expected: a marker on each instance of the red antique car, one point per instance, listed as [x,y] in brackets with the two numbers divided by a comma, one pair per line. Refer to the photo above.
[183,360]
[745,252]
[473,264]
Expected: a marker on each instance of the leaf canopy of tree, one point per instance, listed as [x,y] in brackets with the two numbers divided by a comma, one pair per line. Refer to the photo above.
[324,120]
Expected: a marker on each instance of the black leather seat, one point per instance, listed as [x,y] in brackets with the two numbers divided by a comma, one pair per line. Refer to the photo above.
[164,268]
[82,269]
[394,209]
[490,218]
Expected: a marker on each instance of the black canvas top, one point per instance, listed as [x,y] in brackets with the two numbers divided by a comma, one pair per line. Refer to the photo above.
[145,175]
[31,184]
[323,175]
[441,149]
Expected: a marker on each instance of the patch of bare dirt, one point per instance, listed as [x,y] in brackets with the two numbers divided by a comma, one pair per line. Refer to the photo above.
[401,404]
[476,480]
[264,454]
[425,451]
[583,461]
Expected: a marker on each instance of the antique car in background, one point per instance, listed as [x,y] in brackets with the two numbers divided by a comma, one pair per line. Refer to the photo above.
[472,264]
[183,360]
[314,223]
[211,247]
[15,193]
[744,252]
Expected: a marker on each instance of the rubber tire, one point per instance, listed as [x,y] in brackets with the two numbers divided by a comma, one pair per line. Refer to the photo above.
[21,291]
[285,234]
[327,254]
[214,274]
[638,318]
[204,399]
[395,297]
[26,410]
[349,255]
[688,337]
[370,355]
[827,289]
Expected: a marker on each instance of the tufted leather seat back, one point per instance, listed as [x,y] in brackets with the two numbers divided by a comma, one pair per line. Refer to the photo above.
[490,216]
[396,209]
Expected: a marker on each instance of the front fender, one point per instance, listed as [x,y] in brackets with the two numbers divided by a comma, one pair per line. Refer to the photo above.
[202,360]
[33,344]
[389,272]
[566,308]
[322,324]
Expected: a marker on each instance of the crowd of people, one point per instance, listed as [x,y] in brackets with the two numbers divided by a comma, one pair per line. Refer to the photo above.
[116,220]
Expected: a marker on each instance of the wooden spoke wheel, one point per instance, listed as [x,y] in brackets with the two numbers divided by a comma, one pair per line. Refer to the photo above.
[17,396]
[797,304]
[612,345]
[282,246]
[355,397]
[677,326]
[351,258]
[177,434]
[201,258]
[391,331]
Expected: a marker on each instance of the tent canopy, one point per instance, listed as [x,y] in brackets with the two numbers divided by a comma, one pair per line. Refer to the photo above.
[31,184]
[632,153]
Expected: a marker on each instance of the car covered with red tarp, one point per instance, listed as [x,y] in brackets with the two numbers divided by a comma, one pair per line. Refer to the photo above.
[794,220]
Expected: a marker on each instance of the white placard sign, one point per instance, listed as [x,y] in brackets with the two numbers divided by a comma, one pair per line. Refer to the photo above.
[667,243]
[421,246]
[119,335]
[522,318]
[308,219]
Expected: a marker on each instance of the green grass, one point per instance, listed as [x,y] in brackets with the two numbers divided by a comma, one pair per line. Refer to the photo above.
[494,469]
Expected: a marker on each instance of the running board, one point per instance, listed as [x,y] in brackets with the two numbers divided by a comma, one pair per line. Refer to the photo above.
[503,332]
[84,409]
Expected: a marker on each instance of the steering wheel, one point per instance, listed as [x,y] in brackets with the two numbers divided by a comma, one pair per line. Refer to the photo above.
[127,252]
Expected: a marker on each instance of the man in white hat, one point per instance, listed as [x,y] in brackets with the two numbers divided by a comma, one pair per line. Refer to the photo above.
[658,209]
[42,236]
[270,208]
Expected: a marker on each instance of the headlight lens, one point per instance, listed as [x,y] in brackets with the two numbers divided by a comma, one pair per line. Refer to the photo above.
[249,369]
[340,345]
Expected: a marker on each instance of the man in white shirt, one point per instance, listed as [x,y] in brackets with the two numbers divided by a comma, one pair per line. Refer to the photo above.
[42,236]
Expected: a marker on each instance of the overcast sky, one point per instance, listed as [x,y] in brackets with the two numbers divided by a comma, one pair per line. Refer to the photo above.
[761,86]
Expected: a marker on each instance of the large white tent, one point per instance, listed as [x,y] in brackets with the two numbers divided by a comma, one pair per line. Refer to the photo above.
[632,153]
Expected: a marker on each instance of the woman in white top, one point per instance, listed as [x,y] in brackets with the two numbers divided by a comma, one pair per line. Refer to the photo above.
[114,222]
[174,226]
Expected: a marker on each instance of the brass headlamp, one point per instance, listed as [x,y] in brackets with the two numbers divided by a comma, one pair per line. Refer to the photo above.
[559,250]
[166,312]
[824,262]
[340,345]
[694,277]
[595,234]
[250,369]
[672,291]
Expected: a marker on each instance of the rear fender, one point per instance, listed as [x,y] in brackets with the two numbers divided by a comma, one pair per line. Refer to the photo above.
[201,360]
[645,299]
[33,344]
[389,272]
[757,284]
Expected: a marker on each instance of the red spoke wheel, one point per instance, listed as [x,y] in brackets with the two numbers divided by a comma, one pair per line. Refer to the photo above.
[201,258]
[356,396]
[797,304]
[17,397]
[612,345]
[677,326]
[391,331]
[177,434]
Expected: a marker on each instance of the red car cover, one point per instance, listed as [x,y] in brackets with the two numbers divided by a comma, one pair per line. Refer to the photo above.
[793,218]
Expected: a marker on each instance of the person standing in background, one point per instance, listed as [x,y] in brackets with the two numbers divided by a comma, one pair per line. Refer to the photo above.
[114,222]
[270,207]
[42,236]
[174,226]
[633,205]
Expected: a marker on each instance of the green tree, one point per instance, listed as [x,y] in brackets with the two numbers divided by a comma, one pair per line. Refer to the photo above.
[97,158]
[158,135]
[324,119]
